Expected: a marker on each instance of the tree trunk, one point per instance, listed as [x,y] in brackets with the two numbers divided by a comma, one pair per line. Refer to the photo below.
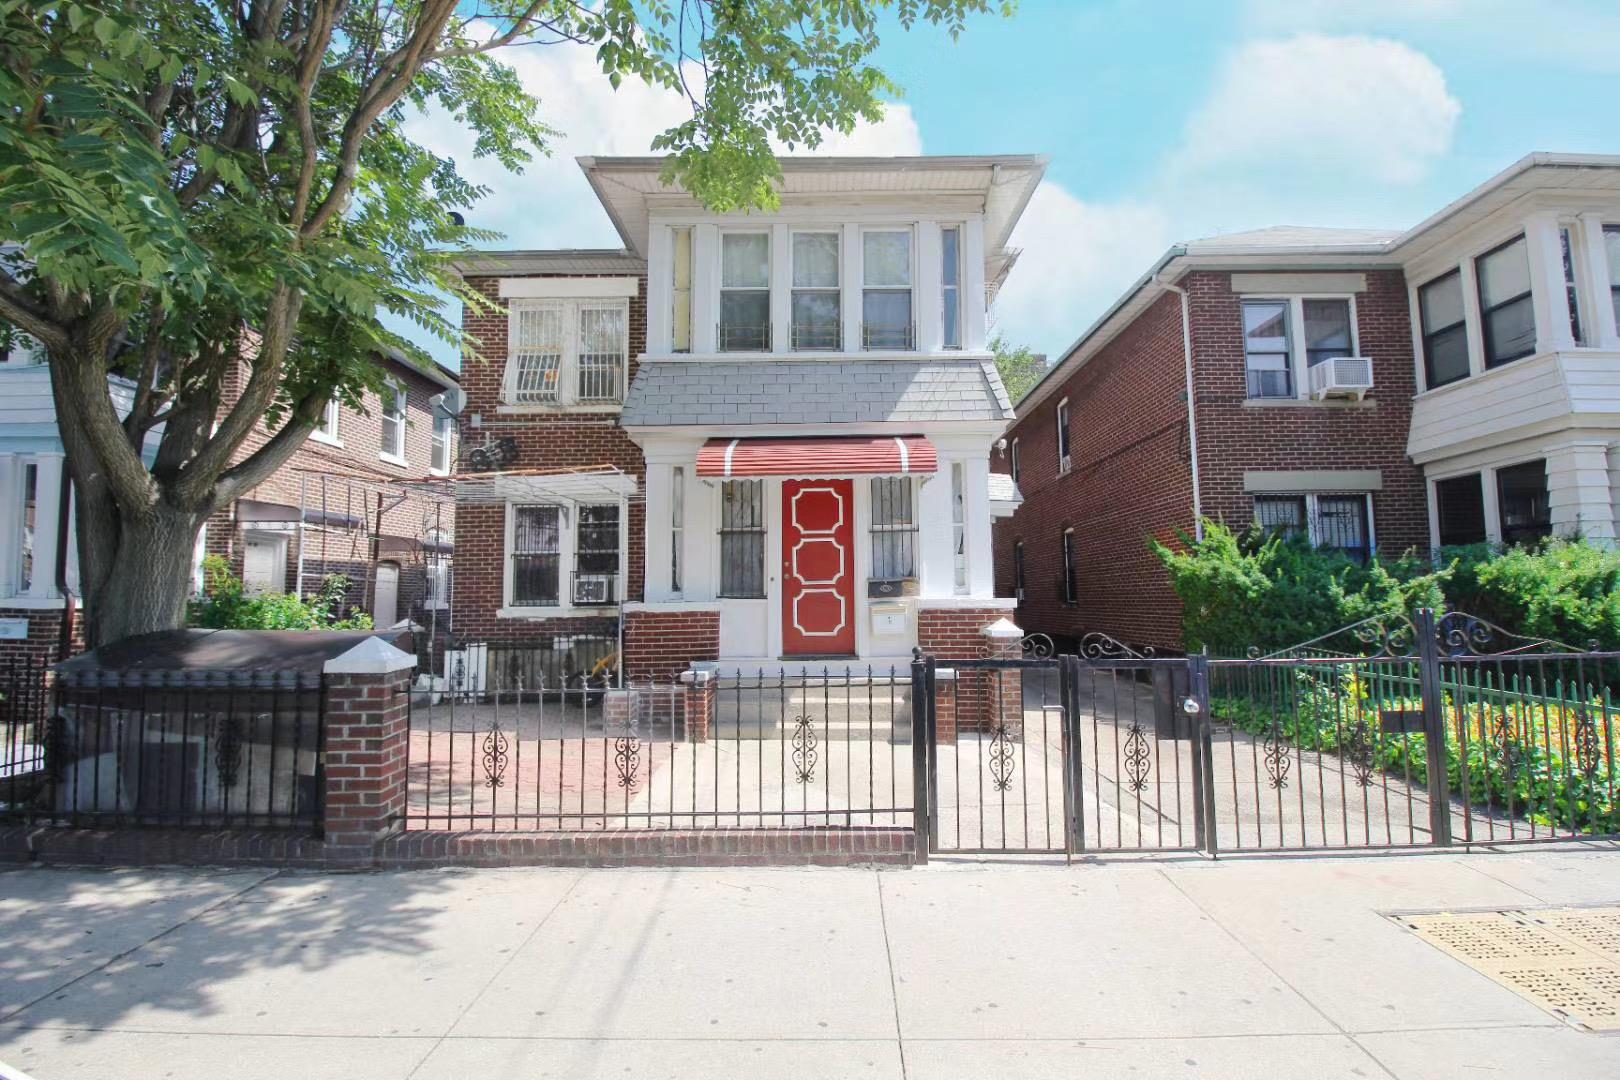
[144,568]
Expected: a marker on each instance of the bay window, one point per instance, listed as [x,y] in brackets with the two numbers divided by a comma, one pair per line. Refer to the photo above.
[1611,248]
[677,524]
[950,279]
[745,292]
[1445,330]
[742,539]
[886,308]
[817,319]
[566,352]
[893,529]
[1506,311]
[1572,292]
[27,522]
[959,525]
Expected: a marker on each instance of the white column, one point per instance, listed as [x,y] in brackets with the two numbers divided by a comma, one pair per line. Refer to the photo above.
[47,518]
[976,510]
[660,270]
[1491,505]
[1579,493]
[926,298]
[702,538]
[1475,324]
[1599,319]
[1547,294]
[705,288]
[851,288]
[975,304]
[11,475]
[781,288]
[658,534]
[936,569]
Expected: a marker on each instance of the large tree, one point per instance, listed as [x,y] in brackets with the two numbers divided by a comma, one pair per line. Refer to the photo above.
[189,189]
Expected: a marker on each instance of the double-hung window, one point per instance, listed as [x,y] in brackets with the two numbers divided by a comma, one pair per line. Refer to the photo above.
[817,313]
[567,352]
[1018,569]
[742,539]
[950,284]
[1506,311]
[327,429]
[680,322]
[745,292]
[27,520]
[1327,330]
[564,556]
[1611,248]
[1445,330]
[1071,586]
[392,447]
[959,525]
[1521,502]
[1013,458]
[1064,460]
[1572,292]
[1267,356]
[677,525]
[894,529]
[886,308]
[443,433]
[1330,521]
[1459,504]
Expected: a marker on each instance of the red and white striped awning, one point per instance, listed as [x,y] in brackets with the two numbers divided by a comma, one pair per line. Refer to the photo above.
[831,455]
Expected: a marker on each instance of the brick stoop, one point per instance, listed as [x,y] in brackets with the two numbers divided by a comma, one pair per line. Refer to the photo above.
[51,846]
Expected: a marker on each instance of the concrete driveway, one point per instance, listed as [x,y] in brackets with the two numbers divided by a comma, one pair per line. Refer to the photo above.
[1274,967]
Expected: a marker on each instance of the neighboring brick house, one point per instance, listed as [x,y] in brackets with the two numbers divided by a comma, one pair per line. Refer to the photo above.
[352,500]
[751,439]
[1376,392]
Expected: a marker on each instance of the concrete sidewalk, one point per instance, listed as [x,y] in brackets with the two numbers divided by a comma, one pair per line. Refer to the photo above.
[1274,967]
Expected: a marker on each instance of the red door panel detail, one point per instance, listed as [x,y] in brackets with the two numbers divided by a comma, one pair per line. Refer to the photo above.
[818,567]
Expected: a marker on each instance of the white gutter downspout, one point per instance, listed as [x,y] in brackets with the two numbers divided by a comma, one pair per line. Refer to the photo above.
[1192,415]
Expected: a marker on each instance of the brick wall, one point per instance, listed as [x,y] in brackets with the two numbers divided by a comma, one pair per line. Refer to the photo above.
[44,637]
[975,700]
[1130,482]
[1131,477]
[367,719]
[545,440]
[662,644]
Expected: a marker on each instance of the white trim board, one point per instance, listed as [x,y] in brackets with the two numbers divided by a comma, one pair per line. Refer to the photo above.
[554,288]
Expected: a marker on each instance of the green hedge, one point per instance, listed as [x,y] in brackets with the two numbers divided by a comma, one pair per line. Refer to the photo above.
[1243,589]
[225,605]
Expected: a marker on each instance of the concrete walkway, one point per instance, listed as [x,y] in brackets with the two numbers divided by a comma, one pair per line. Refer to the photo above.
[1260,967]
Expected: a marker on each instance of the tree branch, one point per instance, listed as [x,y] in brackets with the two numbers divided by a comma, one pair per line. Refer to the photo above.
[22,311]
[259,465]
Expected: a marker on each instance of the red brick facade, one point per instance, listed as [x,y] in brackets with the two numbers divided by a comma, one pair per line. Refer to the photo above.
[1131,476]
[662,644]
[550,439]
[367,722]
[44,640]
[974,700]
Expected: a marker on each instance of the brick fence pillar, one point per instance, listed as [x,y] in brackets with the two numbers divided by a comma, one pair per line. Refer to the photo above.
[696,702]
[1003,640]
[368,722]
[958,632]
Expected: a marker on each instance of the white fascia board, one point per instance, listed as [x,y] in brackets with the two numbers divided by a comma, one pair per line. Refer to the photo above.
[563,288]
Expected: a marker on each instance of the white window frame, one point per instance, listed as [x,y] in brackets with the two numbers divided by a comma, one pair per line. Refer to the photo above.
[945,327]
[329,430]
[677,530]
[1062,444]
[1313,512]
[567,398]
[442,438]
[961,547]
[860,282]
[1014,464]
[1071,571]
[567,542]
[436,568]
[1299,364]
[678,294]
[837,288]
[401,396]
[769,288]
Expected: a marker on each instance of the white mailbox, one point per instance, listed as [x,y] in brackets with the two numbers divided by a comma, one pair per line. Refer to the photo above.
[888,618]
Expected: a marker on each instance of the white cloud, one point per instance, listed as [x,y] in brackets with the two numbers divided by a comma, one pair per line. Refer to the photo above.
[1077,258]
[1358,107]
[896,135]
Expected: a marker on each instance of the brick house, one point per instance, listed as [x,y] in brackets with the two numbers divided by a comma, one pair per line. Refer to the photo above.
[349,501]
[746,439]
[1377,392]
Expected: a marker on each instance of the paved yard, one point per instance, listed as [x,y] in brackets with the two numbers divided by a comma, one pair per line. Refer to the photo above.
[1273,967]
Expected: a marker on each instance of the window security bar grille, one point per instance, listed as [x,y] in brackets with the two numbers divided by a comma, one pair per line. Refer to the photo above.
[885,338]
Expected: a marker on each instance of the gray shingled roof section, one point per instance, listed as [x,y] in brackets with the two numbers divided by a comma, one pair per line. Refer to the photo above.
[704,393]
[1002,489]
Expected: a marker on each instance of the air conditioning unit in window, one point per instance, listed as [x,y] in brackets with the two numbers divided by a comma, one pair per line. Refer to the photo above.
[593,589]
[1342,376]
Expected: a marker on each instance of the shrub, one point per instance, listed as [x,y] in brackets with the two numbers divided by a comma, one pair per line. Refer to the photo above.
[1271,591]
[1565,590]
[225,605]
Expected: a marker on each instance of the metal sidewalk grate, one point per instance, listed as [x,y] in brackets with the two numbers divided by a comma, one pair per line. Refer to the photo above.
[1566,959]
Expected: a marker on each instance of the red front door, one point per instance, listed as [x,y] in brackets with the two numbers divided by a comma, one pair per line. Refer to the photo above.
[818,567]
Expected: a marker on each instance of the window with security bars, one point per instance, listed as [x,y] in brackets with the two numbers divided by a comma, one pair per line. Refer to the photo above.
[596,555]
[536,555]
[893,528]
[566,352]
[742,539]
[1331,521]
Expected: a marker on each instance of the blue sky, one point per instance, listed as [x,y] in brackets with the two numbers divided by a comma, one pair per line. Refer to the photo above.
[1164,121]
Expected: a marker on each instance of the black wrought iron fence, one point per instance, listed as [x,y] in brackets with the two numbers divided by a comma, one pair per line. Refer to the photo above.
[216,749]
[764,748]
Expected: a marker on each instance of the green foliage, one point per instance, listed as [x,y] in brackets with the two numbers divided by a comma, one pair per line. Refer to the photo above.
[1272,591]
[225,605]
[1020,369]
[1563,590]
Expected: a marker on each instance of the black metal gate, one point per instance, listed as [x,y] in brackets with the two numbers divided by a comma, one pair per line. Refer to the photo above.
[1394,732]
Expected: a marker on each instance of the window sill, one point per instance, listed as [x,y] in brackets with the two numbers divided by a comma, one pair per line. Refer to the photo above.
[1310,403]
[438,472]
[326,440]
[32,603]
[393,459]
[535,613]
[561,410]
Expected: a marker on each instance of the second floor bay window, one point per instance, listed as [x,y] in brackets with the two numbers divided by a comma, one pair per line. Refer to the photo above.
[1445,330]
[886,300]
[950,241]
[1611,248]
[1506,312]
[566,352]
[745,292]
[817,312]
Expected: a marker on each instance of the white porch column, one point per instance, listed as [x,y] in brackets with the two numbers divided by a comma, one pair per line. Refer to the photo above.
[47,519]
[658,535]
[1548,297]
[1579,491]
[1472,319]
[850,291]
[976,499]
[1600,321]
[930,325]
[781,289]
[705,288]
[936,569]
[11,476]
[701,567]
